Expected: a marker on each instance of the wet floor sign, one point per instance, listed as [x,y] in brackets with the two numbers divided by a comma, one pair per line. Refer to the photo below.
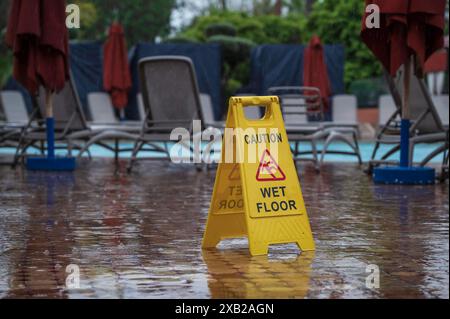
[257,192]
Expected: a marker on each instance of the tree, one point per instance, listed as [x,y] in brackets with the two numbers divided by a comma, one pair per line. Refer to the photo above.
[278,7]
[5,54]
[308,6]
[4,9]
[142,20]
[339,21]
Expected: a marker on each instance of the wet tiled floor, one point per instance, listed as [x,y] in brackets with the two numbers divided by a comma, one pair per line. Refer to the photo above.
[138,236]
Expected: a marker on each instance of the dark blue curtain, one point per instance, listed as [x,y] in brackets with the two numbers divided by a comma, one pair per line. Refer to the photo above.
[282,65]
[86,64]
[271,65]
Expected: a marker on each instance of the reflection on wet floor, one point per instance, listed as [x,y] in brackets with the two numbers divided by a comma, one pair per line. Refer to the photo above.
[235,274]
[139,236]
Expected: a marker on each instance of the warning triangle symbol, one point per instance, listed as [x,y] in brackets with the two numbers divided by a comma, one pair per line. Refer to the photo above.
[268,169]
[234,173]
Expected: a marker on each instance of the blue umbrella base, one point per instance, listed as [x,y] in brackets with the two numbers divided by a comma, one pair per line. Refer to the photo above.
[404,175]
[51,163]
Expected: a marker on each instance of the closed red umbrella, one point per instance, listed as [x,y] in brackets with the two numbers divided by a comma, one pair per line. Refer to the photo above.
[116,71]
[315,72]
[408,28]
[437,62]
[38,37]
[37,34]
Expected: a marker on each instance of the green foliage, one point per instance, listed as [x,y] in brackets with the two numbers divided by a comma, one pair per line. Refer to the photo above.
[88,15]
[220,29]
[337,21]
[259,29]
[5,67]
[368,90]
[283,29]
[180,39]
[340,22]
[237,33]
[234,49]
[142,20]
[5,55]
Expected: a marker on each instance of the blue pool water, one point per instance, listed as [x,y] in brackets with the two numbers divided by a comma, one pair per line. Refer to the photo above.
[366,148]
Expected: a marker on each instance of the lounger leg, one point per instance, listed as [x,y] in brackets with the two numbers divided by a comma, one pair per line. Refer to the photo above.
[444,170]
[375,150]
[358,151]
[390,152]
[325,147]
[18,151]
[116,150]
[137,146]
[42,148]
[206,154]
[69,147]
[315,157]
[372,158]
[432,155]
[88,151]
[346,139]
[21,156]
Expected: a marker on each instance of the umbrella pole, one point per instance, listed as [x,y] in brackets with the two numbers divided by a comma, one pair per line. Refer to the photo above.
[50,124]
[50,162]
[405,124]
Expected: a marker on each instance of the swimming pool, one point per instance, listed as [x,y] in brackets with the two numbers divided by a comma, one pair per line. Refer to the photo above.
[366,148]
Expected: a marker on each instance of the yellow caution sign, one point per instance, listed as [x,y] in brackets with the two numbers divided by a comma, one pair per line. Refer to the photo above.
[257,192]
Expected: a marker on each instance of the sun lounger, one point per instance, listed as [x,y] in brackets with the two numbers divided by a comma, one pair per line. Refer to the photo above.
[141,108]
[344,127]
[442,108]
[208,112]
[426,127]
[299,105]
[71,128]
[16,116]
[171,100]
[14,107]
[68,119]
[252,113]
[387,109]
[102,113]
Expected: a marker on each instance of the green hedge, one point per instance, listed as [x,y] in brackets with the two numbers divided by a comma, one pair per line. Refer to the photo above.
[220,29]
[337,21]
[234,49]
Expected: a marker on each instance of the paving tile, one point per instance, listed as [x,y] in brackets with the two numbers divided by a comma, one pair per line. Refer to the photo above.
[139,235]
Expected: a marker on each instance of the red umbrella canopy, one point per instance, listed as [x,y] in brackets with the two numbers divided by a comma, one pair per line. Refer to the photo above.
[315,72]
[437,62]
[116,72]
[37,34]
[406,27]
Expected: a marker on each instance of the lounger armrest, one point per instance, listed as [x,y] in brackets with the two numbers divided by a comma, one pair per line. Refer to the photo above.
[168,121]
[333,124]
